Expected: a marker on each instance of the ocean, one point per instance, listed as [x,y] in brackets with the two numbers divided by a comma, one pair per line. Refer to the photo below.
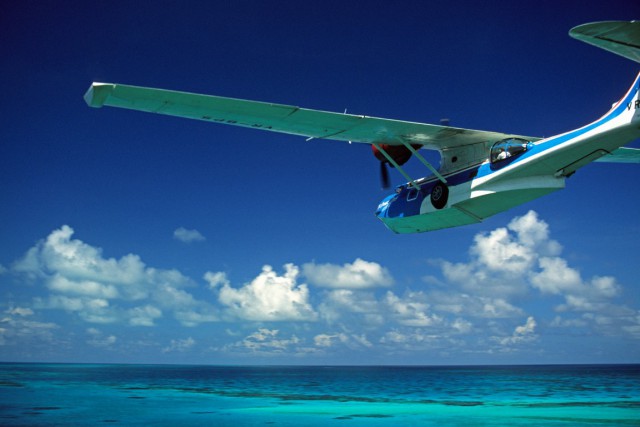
[163,395]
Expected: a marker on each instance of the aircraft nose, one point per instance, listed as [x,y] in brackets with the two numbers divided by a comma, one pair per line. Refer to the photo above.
[381,211]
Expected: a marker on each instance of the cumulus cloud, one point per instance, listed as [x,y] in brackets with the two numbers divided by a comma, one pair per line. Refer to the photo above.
[348,305]
[268,297]
[474,305]
[557,278]
[326,340]
[357,275]
[512,262]
[180,346]
[107,290]
[92,310]
[187,236]
[16,325]
[144,315]
[454,302]
[521,334]
[266,340]
[412,309]
[351,341]
[502,258]
[216,279]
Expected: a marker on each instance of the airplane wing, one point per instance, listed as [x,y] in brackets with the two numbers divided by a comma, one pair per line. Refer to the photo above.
[620,37]
[285,118]
[622,155]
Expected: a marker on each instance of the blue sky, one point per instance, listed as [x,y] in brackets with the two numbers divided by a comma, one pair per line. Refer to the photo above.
[131,237]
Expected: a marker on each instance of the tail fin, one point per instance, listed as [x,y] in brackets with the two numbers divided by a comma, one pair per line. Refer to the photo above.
[627,110]
[619,37]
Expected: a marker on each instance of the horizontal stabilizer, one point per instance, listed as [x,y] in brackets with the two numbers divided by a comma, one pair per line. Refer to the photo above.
[622,155]
[619,37]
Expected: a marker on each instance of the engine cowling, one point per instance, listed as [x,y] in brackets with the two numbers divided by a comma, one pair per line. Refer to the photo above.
[399,153]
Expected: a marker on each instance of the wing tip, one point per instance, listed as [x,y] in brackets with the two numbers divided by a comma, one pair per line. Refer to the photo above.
[98,93]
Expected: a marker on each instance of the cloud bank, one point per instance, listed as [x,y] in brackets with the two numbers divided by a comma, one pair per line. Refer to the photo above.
[514,292]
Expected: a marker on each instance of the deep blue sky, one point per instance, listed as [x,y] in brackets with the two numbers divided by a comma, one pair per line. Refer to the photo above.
[132,237]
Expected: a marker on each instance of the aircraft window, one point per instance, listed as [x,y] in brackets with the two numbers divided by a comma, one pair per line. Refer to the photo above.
[507,148]
[412,194]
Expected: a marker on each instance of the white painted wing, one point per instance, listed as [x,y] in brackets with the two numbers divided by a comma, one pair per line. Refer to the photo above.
[285,118]
[620,37]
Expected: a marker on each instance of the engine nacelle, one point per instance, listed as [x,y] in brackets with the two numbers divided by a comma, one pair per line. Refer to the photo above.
[399,153]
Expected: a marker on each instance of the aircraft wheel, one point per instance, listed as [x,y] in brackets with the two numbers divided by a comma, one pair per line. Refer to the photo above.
[439,195]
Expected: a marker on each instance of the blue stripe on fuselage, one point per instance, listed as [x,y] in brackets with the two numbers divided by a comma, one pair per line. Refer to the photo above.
[546,144]
[403,202]
[397,205]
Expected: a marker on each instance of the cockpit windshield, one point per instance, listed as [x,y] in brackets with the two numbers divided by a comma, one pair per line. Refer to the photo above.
[507,148]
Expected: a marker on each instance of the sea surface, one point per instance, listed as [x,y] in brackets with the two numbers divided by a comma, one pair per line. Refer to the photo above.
[162,395]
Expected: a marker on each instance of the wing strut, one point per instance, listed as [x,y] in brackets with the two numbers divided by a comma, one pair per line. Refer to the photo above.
[424,162]
[396,165]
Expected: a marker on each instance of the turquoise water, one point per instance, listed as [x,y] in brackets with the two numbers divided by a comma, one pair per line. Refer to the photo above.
[132,395]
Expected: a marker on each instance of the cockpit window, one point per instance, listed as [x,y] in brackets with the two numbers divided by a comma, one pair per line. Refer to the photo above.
[508,148]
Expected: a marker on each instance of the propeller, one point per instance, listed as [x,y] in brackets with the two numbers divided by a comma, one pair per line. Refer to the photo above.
[384,176]
[400,155]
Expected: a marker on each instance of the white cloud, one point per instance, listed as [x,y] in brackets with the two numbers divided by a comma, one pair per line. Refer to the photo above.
[351,341]
[521,334]
[351,305]
[17,326]
[555,277]
[99,340]
[266,340]
[527,329]
[358,275]
[462,326]
[192,318]
[417,339]
[472,305]
[106,290]
[467,307]
[216,279]
[498,251]
[20,311]
[511,262]
[412,310]
[92,310]
[83,268]
[187,236]
[144,315]
[502,258]
[353,301]
[269,297]
[326,340]
[58,283]
[181,345]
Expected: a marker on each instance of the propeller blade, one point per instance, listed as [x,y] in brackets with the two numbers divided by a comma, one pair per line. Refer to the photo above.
[384,176]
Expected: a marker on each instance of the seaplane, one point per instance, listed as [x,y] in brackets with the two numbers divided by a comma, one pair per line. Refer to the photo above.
[480,174]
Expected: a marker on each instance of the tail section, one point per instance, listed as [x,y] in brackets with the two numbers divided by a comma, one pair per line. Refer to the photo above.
[627,110]
[619,37]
